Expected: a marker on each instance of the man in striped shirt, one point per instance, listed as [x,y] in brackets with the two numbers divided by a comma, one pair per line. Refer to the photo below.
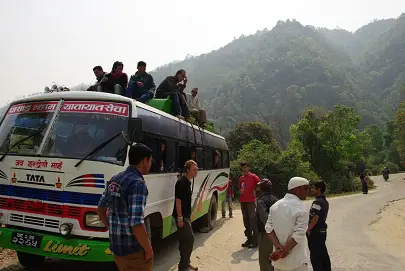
[125,199]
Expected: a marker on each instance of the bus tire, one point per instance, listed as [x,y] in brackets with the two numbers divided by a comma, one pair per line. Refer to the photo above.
[30,260]
[148,228]
[209,220]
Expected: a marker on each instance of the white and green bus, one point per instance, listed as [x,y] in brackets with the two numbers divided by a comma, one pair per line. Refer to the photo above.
[58,151]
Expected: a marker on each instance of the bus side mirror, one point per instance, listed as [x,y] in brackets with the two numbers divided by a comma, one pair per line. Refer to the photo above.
[135,130]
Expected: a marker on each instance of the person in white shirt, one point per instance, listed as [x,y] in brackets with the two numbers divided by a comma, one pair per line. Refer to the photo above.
[286,227]
[193,104]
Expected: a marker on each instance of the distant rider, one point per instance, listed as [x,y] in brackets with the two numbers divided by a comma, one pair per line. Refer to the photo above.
[386,173]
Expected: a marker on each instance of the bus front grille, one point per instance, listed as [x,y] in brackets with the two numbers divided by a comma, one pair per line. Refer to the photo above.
[32,220]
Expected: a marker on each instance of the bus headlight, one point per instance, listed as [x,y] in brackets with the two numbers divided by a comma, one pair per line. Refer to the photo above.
[65,229]
[93,221]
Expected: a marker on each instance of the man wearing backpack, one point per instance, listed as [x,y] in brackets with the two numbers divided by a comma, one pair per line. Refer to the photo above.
[264,202]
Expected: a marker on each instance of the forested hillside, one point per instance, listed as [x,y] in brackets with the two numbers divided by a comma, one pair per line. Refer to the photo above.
[273,75]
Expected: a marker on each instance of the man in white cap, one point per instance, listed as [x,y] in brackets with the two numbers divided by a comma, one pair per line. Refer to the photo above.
[287,225]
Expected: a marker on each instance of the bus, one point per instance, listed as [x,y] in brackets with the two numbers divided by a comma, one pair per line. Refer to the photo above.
[58,151]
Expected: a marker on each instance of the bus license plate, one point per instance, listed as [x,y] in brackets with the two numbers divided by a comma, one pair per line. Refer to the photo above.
[26,239]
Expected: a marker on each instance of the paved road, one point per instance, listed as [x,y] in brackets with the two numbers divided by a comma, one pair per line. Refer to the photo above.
[351,246]
[349,242]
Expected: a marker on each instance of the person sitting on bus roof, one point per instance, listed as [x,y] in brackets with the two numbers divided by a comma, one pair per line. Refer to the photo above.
[173,86]
[101,79]
[194,107]
[117,80]
[141,85]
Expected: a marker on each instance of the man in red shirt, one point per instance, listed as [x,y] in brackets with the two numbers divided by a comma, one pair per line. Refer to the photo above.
[247,186]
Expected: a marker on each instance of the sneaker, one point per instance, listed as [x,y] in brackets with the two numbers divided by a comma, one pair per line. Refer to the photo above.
[191,267]
[180,117]
[223,216]
[246,244]
[230,216]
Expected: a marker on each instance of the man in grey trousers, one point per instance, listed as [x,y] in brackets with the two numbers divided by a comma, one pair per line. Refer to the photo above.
[264,202]
[229,197]
[247,186]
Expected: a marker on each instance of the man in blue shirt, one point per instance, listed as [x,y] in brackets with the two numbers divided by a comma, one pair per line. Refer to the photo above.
[125,199]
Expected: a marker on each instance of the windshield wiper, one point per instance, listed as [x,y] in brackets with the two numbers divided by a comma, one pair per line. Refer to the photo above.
[99,147]
[36,132]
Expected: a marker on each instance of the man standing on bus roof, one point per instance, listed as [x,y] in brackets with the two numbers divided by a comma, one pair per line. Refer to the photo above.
[182,214]
[248,184]
[125,198]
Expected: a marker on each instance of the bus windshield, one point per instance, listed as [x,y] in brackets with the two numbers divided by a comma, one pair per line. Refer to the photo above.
[78,128]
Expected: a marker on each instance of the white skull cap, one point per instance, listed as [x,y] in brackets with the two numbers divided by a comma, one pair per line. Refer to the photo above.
[297,182]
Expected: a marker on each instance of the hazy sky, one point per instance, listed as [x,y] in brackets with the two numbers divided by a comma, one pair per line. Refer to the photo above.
[52,40]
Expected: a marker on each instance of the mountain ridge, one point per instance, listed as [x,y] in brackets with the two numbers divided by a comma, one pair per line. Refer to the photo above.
[290,67]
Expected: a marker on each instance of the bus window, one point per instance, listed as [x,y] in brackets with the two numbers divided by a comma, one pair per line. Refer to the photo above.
[170,156]
[208,161]
[200,157]
[225,159]
[153,144]
[216,160]
[193,153]
[75,135]
[184,154]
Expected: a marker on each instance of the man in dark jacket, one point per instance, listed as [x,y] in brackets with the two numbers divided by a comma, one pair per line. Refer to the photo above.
[364,183]
[141,85]
[264,202]
[100,77]
[173,86]
[316,231]
[117,80]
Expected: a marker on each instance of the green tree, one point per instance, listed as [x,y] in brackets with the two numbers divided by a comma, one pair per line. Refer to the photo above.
[331,143]
[377,139]
[248,131]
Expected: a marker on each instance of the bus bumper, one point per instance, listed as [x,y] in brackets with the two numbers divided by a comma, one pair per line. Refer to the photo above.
[55,246]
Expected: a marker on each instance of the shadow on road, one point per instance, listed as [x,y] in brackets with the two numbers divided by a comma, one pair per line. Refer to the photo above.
[243,255]
[166,256]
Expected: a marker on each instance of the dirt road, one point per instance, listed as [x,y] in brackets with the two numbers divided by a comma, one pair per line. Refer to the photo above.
[359,237]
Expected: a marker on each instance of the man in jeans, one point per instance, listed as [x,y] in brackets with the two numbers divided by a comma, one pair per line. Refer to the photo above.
[264,202]
[229,197]
[182,214]
[141,85]
[247,186]
[173,86]
[125,199]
